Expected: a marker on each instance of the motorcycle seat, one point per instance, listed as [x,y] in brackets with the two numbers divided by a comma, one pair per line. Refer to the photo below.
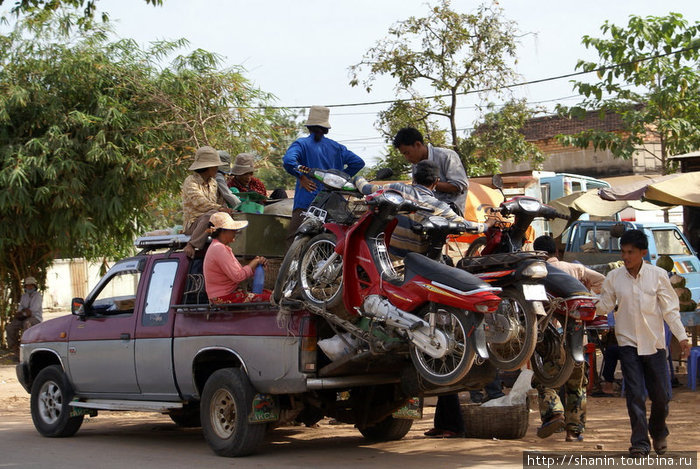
[417,264]
[500,261]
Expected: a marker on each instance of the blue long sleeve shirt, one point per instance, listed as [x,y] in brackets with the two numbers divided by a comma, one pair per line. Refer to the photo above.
[326,154]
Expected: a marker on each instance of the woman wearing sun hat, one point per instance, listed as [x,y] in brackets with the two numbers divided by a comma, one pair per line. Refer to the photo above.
[222,271]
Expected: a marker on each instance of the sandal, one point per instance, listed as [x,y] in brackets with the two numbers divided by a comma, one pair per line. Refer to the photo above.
[436,433]
[551,426]
[660,446]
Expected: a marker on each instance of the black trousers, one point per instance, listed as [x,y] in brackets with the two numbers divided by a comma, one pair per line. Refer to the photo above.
[448,414]
[645,374]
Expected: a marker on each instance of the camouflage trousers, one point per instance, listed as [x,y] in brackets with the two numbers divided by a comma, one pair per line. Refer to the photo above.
[574,394]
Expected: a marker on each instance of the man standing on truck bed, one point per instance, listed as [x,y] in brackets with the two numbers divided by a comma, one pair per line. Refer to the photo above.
[317,152]
[201,198]
[453,184]
[644,299]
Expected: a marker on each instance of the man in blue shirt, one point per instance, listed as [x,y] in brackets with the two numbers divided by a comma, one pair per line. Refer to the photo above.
[318,152]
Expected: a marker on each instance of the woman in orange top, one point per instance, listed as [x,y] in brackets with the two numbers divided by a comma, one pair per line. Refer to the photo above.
[222,271]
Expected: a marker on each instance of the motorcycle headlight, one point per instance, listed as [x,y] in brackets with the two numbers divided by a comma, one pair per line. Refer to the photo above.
[529,205]
[535,270]
[334,181]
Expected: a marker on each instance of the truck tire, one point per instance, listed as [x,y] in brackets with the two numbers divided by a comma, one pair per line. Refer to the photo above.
[389,429]
[328,289]
[50,404]
[227,399]
[287,283]
[187,417]
[518,319]
[552,362]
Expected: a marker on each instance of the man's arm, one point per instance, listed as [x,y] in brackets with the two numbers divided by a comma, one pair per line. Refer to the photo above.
[592,280]
[292,159]
[363,186]
[353,163]
[607,299]
[456,177]
[668,302]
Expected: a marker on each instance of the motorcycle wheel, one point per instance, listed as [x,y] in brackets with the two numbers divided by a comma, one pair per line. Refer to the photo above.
[453,366]
[552,362]
[517,318]
[476,247]
[287,283]
[327,290]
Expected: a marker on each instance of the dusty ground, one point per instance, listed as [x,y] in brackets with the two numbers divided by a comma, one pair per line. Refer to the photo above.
[124,439]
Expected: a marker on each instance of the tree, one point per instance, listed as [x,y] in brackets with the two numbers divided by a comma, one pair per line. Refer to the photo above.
[648,75]
[40,7]
[452,53]
[94,135]
[498,138]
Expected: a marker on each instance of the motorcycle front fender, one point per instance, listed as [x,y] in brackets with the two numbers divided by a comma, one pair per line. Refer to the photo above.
[575,341]
[310,227]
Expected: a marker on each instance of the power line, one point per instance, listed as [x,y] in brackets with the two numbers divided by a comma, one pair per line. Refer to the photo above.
[514,85]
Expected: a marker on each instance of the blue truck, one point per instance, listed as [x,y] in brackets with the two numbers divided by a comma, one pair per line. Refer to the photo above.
[597,243]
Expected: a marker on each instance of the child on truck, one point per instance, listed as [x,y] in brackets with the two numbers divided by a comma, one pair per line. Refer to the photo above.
[222,271]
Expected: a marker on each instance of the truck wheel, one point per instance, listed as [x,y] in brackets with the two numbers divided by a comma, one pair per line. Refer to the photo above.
[552,362]
[50,404]
[389,429]
[187,417]
[456,363]
[328,288]
[287,283]
[512,331]
[227,399]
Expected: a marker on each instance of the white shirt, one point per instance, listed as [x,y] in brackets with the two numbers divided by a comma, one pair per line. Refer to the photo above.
[32,301]
[644,303]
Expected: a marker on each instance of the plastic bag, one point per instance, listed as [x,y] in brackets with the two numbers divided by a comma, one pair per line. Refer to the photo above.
[335,347]
[517,394]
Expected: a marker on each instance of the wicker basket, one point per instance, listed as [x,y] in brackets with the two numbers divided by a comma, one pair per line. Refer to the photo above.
[505,423]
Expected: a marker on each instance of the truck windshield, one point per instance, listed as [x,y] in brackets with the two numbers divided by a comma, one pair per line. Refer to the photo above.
[670,242]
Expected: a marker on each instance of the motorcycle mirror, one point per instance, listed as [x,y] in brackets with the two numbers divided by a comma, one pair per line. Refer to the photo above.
[383,173]
[497,181]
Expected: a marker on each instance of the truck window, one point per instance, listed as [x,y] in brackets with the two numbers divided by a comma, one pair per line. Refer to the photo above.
[160,289]
[600,241]
[118,295]
[670,242]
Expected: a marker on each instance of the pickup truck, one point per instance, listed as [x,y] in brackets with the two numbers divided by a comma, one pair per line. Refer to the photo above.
[146,339]
[598,242]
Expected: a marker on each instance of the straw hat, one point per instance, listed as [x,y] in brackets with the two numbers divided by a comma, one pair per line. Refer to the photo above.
[244,164]
[30,281]
[318,116]
[223,221]
[225,158]
[206,157]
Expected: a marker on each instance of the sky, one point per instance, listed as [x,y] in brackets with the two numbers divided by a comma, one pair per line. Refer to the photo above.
[300,50]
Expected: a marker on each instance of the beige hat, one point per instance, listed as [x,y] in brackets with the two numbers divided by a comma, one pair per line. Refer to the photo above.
[318,115]
[206,157]
[30,281]
[225,158]
[223,221]
[244,164]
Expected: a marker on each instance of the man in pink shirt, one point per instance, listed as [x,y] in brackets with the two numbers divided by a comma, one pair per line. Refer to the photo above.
[222,271]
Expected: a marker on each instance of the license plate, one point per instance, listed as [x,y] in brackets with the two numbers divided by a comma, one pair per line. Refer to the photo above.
[534,292]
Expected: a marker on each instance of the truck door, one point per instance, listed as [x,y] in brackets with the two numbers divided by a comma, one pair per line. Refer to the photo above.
[154,365]
[101,347]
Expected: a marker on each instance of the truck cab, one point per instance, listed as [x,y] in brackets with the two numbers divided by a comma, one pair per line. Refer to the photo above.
[593,242]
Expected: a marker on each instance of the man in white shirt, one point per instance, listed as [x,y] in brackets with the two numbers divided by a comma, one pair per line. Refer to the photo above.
[29,313]
[644,299]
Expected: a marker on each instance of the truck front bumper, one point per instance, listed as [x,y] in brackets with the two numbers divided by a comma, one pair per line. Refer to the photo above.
[23,376]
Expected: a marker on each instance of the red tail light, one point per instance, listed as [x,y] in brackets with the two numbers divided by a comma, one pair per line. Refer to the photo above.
[581,308]
[489,305]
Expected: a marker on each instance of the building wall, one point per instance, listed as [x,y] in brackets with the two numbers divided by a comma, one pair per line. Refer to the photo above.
[588,162]
[67,279]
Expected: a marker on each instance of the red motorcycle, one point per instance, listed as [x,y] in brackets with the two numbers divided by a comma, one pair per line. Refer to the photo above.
[437,309]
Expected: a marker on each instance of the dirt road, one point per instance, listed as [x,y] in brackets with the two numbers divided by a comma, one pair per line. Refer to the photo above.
[125,440]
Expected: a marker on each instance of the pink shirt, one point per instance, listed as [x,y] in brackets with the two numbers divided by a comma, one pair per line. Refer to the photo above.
[222,271]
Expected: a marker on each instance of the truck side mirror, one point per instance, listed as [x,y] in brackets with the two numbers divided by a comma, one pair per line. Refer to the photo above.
[77,307]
